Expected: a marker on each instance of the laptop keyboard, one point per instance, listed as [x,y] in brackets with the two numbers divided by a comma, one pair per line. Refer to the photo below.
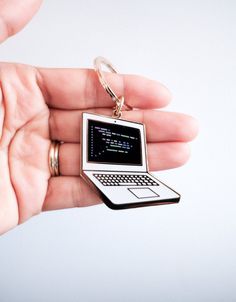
[125,180]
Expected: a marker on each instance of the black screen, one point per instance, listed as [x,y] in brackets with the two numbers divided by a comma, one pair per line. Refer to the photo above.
[113,144]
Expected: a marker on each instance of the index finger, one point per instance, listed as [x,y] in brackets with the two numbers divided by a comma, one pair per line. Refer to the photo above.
[80,88]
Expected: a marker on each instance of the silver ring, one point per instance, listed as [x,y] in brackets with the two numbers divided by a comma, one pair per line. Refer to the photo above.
[53,158]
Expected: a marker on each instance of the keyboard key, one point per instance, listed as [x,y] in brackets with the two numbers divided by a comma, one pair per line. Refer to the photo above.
[128,184]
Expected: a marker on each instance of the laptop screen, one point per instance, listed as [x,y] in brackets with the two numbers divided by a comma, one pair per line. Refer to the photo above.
[113,144]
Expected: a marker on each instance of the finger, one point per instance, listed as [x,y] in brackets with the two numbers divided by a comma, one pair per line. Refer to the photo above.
[80,88]
[164,156]
[15,14]
[67,192]
[160,126]
[161,156]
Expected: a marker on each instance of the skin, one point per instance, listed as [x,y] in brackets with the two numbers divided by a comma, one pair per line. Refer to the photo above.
[38,105]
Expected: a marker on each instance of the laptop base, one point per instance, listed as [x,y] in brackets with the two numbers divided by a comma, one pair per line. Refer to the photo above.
[124,197]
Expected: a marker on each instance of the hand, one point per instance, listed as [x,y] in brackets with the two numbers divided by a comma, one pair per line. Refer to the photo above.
[15,14]
[39,105]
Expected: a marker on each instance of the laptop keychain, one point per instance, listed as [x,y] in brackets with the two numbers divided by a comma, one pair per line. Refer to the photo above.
[114,157]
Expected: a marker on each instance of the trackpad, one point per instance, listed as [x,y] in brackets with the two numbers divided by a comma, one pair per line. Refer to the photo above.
[143,192]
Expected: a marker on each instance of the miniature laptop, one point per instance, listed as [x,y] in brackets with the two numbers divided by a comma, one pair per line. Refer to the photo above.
[114,163]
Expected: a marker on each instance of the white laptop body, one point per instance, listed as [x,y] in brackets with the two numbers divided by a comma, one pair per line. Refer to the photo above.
[114,163]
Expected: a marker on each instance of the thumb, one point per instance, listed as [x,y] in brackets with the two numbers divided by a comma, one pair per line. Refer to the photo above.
[15,14]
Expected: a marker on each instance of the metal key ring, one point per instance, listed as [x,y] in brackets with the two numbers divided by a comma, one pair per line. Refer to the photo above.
[98,62]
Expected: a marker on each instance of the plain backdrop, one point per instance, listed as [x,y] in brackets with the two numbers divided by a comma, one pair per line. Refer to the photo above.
[178,253]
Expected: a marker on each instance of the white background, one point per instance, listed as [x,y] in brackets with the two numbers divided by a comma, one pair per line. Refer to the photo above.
[183,252]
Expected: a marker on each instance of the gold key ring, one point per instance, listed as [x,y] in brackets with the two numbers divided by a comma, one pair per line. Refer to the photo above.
[98,62]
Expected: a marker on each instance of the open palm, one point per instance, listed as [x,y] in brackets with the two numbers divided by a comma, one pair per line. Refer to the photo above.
[39,105]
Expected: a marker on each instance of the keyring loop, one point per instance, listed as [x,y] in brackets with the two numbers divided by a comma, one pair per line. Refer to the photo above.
[98,62]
